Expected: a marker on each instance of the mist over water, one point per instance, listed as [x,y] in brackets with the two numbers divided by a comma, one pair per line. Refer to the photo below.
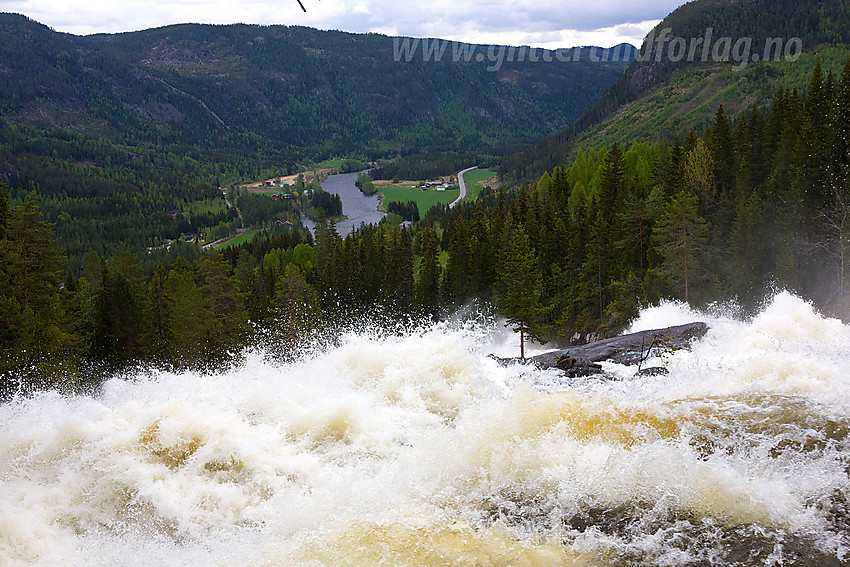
[421,450]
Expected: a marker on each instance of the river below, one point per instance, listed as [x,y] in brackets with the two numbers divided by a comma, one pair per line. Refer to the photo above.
[357,207]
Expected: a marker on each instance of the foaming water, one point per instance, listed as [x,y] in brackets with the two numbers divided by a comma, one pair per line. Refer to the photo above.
[421,450]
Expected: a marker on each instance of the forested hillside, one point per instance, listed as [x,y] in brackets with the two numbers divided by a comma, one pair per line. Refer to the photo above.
[302,92]
[753,199]
[689,99]
[661,96]
[758,201]
[128,137]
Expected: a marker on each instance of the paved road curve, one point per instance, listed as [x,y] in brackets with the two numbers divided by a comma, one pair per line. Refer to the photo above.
[462,186]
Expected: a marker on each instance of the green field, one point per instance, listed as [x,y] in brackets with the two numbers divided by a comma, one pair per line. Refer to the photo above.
[329,163]
[240,239]
[403,193]
[474,179]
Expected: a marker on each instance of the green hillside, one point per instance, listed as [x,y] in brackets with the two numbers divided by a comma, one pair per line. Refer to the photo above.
[670,81]
[290,91]
[123,135]
[691,97]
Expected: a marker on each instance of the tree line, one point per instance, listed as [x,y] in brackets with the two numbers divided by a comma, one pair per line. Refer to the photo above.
[408,211]
[753,203]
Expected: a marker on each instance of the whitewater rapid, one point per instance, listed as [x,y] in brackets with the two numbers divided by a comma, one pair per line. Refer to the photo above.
[421,450]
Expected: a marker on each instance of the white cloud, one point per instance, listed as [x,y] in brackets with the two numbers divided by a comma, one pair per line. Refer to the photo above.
[606,37]
[542,23]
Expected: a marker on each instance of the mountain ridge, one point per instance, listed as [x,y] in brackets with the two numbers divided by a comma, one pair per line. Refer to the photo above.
[113,131]
[817,24]
[328,80]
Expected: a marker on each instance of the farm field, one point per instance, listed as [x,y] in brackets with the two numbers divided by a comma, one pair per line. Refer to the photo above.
[475,182]
[241,238]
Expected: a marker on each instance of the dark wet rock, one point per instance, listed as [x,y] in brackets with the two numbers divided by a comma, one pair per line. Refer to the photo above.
[653,371]
[706,541]
[524,513]
[577,367]
[614,521]
[627,349]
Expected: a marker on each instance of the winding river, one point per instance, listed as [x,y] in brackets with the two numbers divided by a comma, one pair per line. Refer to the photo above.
[357,207]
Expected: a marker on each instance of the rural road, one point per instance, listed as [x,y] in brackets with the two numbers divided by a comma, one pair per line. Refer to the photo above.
[462,186]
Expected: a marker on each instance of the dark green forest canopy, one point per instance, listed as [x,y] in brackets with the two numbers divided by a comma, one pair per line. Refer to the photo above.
[311,92]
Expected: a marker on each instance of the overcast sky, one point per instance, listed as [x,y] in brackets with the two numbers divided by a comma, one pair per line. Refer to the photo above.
[543,23]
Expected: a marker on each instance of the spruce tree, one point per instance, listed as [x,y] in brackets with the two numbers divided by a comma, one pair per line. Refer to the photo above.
[160,316]
[457,274]
[519,286]
[228,319]
[681,237]
[296,308]
[724,153]
[699,173]
[405,290]
[190,315]
[606,230]
[480,256]
[33,330]
[427,290]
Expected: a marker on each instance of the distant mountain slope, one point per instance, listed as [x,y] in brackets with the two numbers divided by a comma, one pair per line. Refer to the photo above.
[292,90]
[690,98]
[128,137]
[817,25]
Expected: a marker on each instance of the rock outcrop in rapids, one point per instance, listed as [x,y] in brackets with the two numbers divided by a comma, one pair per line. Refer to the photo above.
[631,349]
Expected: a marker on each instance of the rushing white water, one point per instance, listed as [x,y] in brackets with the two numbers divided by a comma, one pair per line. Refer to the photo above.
[420,450]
